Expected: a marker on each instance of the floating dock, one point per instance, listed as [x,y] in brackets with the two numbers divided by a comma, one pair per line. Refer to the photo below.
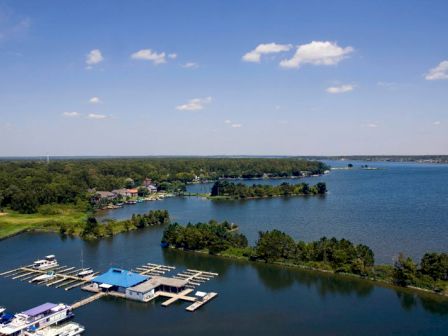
[176,288]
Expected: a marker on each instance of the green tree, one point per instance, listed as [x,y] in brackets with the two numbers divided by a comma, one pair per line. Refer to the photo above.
[404,273]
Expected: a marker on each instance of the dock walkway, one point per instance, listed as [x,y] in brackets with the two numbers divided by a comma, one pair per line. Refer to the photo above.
[88,300]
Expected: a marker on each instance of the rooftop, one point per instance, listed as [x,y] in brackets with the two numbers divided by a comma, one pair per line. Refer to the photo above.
[120,278]
[40,309]
[157,281]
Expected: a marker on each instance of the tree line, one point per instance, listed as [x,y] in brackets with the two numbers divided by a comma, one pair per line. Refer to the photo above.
[27,184]
[241,190]
[330,254]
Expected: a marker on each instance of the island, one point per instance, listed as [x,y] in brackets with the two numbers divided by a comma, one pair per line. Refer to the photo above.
[230,190]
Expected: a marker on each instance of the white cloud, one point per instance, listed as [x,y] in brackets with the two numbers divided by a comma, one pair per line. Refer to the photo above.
[95,100]
[317,53]
[71,114]
[172,56]
[94,57]
[236,125]
[439,72]
[436,123]
[263,49]
[190,65]
[372,125]
[96,116]
[195,104]
[340,89]
[227,121]
[149,55]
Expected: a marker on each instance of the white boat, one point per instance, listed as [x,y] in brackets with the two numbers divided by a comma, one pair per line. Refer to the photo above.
[47,263]
[85,273]
[44,277]
[36,318]
[69,329]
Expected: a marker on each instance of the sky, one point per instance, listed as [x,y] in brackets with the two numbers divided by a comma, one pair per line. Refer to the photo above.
[208,77]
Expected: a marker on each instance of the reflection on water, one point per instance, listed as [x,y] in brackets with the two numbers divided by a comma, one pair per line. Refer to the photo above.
[432,304]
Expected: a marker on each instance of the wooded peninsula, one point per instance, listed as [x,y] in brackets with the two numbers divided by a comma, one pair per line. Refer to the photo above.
[326,254]
[64,193]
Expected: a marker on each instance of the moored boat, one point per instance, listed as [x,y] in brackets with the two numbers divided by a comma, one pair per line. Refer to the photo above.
[44,277]
[36,318]
[84,273]
[47,263]
[68,329]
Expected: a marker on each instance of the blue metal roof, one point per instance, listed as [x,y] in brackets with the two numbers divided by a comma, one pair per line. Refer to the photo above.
[119,277]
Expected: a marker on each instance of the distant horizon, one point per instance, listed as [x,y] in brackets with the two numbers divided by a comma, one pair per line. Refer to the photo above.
[44,157]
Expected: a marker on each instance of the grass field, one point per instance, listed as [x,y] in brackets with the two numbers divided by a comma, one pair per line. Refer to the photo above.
[12,223]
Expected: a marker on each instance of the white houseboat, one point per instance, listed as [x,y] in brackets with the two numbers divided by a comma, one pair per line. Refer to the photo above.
[47,263]
[36,318]
[68,329]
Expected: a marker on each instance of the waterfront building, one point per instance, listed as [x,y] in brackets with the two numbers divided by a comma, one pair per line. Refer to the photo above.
[118,280]
[147,289]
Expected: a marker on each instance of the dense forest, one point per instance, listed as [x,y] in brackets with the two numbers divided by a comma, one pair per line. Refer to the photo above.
[25,184]
[240,190]
[213,236]
[335,255]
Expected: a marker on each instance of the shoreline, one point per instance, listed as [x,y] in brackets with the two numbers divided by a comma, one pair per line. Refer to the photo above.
[380,282]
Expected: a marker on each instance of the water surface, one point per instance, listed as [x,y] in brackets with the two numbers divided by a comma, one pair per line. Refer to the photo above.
[402,207]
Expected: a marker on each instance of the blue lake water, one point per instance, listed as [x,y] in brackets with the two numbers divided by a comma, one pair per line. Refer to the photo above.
[398,208]
[402,207]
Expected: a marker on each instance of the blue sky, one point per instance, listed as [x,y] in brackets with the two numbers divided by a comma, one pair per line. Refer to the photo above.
[223,77]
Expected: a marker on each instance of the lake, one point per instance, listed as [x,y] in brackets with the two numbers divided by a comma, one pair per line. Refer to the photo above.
[401,207]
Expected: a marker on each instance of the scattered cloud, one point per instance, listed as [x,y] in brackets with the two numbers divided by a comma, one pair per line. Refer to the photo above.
[71,114]
[227,121]
[96,116]
[94,57]
[317,53]
[172,56]
[439,72]
[95,100]
[263,49]
[149,55]
[236,125]
[195,104]
[12,25]
[340,89]
[436,123]
[372,125]
[190,65]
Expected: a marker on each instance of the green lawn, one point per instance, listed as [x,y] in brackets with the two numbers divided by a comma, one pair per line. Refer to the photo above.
[12,222]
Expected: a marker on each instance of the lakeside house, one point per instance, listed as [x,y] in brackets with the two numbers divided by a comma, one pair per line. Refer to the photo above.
[103,196]
[132,192]
[122,193]
[148,184]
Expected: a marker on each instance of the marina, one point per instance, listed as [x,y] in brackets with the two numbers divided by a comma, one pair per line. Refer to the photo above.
[145,283]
